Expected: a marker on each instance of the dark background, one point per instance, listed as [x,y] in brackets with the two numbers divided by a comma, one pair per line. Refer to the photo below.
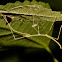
[6,1]
[3,2]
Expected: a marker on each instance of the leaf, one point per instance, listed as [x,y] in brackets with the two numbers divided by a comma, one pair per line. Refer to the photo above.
[35,10]
[26,2]
[19,27]
[45,16]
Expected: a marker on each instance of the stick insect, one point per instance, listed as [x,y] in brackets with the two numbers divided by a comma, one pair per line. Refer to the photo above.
[34,27]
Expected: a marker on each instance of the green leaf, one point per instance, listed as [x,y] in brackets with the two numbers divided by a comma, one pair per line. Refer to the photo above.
[6,34]
[26,2]
[46,18]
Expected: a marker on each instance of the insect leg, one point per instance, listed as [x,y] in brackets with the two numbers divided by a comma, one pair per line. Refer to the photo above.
[13,29]
[50,37]
[34,25]
[38,27]
[9,26]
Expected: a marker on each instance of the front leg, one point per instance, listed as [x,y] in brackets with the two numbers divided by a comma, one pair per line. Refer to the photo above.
[59,33]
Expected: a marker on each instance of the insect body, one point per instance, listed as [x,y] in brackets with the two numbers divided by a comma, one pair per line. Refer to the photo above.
[41,17]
